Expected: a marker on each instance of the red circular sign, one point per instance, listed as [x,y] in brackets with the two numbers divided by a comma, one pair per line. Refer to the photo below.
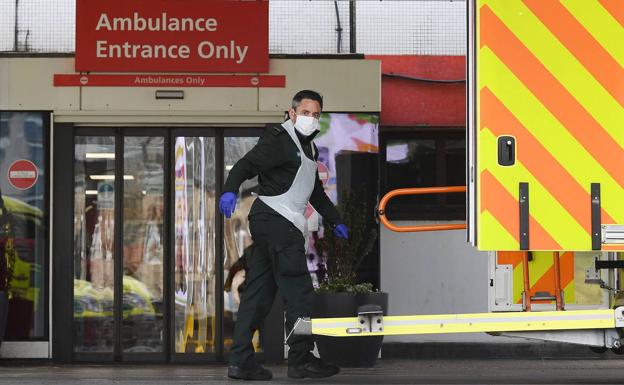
[323,172]
[23,174]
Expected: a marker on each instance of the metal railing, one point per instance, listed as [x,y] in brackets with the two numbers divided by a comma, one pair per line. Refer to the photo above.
[381,211]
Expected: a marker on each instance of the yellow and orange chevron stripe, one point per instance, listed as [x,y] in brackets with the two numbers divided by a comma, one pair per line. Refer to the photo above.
[550,73]
[541,274]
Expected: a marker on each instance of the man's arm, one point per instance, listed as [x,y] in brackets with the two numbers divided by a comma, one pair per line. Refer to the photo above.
[262,157]
[321,203]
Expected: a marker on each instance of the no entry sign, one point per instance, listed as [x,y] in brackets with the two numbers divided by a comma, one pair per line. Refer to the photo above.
[323,172]
[23,174]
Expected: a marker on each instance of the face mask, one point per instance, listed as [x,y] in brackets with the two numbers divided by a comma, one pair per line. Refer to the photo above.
[306,125]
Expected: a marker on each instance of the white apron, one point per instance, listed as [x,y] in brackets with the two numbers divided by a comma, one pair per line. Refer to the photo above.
[292,204]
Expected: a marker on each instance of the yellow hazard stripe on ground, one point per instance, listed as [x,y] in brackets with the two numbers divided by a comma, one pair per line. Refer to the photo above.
[470,323]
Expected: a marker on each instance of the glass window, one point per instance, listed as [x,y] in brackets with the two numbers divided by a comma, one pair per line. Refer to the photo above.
[143,301]
[94,243]
[425,159]
[348,145]
[194,248]
[237,239]
[23,208]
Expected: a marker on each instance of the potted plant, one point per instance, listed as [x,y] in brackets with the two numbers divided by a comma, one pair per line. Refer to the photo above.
[339,293]
[7,262]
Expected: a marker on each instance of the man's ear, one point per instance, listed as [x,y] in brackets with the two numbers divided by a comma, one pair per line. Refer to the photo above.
[292,115]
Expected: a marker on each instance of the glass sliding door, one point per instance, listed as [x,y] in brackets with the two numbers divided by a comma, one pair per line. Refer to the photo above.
[94,237]
[195,282]
[157,272]
[236,238]
[143,259]
[119,248]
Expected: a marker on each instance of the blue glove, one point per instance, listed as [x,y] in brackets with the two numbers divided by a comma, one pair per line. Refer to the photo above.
[227,204]
[341,231]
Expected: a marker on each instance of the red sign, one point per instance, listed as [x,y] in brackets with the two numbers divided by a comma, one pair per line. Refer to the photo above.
[23,174]
[145,80]
[172,36]
[323,172]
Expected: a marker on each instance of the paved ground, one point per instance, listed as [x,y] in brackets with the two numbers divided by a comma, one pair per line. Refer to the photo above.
[595,371]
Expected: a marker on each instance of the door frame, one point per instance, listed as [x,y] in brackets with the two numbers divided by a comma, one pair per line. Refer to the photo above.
[119,133]
[219,133]
[64,135]
[123,133]
[173,356]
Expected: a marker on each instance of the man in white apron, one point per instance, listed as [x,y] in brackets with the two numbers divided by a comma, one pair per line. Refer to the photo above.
[285,162]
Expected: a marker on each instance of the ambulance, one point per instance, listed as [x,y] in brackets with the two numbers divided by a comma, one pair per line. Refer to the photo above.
[545,177]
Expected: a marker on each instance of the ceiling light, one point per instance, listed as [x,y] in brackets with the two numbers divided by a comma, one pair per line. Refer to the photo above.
[100,155]
[109,177]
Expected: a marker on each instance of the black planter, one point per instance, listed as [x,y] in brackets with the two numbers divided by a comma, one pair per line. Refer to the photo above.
[348,351]
[4,310]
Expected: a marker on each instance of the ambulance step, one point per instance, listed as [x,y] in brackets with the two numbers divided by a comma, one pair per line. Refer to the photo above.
[543,296]
[460,323]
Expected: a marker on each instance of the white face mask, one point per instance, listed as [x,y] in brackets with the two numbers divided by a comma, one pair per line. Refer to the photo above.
[306,125]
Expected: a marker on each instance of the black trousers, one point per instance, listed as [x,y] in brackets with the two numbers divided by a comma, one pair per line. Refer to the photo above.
[278,262]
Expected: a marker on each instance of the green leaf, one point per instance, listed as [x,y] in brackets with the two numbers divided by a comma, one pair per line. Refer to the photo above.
[344,257]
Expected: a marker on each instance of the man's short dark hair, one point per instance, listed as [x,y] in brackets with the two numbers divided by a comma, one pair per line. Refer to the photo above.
[306,94]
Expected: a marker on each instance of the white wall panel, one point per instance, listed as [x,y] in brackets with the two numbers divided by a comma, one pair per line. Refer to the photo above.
[29,84]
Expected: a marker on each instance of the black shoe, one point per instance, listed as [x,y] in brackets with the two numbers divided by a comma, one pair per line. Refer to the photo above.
[254,372]
[314,368]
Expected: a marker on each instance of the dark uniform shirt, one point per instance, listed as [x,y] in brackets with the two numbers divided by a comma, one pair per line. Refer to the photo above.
[275,160]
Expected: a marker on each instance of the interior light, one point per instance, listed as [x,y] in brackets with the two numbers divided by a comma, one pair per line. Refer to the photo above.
[91,192]
[109,177]
[100,155]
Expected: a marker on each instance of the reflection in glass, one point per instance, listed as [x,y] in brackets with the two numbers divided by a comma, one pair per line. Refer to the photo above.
[347,144]
[455,168]
[416,158]
[23,235]
[433,159]
[94,222]
[194,248]
[143,304]
[237,238]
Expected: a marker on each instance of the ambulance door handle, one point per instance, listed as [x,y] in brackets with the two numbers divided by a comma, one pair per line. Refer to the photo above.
[506,150]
